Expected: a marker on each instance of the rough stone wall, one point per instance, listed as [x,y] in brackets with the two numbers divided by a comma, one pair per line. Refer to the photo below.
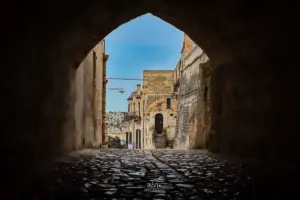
[136,112]
[158,81]
[100,89]
[199,125]
[188,95]
[188,45]
[204,107]
[192,129]
[88,103]
[102,113]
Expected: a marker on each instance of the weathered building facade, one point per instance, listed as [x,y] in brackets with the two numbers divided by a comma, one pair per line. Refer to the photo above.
[90,86]
[134,134]
[152,111]
[189,89]
[160,108]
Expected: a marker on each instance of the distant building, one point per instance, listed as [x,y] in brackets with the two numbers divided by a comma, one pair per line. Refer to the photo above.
[152,111]
[134,134]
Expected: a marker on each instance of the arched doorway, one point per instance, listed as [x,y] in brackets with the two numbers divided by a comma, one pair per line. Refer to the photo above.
[138,139]
[160,140]
[159,123]
[130,138]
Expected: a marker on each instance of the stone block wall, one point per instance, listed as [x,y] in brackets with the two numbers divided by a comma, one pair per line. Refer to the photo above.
[88,101]
[189,96]
[158,81]
[199,137]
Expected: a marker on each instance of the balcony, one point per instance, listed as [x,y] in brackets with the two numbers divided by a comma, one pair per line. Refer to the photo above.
[134,116]
[138,96]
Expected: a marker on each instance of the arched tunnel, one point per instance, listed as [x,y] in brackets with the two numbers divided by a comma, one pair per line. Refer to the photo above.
[251,45]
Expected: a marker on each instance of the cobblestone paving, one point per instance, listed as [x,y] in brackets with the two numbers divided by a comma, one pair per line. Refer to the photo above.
[158,174]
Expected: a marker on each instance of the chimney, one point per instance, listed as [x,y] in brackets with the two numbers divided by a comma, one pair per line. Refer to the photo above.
[138,88]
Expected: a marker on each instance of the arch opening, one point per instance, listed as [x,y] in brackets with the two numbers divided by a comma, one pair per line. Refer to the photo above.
[243,51]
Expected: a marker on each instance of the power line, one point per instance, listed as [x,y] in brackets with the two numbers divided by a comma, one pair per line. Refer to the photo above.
[129,79]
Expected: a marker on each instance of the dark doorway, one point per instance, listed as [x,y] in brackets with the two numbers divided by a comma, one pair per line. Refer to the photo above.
[159,123]
[138,139]
[168,103]
[130,138]
[127,138]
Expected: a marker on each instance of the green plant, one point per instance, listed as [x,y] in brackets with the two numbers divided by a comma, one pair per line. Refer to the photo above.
[165,130]
[170,143]
[152,129]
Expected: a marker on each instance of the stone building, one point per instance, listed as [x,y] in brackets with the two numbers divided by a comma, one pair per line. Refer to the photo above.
[188,85]
[134,134]
[90,86]
[152,111]
[159,108]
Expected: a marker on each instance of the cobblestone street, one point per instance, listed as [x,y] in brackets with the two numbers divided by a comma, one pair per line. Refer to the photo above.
[158,174]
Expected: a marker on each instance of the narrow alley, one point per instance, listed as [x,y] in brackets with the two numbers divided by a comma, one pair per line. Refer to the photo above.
[156,174]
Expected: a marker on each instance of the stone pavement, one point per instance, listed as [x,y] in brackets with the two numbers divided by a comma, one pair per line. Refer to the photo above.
[145,174]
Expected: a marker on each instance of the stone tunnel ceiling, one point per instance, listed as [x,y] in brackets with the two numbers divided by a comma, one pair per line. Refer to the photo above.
[249,46]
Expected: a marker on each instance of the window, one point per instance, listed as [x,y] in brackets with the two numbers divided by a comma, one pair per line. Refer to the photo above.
[128,107]
[168,103]
[139,105]
[133,107]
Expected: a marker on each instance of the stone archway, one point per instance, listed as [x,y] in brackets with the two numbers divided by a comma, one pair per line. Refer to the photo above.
[250,46]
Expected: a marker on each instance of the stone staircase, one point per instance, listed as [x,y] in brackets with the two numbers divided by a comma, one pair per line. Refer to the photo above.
[160,141]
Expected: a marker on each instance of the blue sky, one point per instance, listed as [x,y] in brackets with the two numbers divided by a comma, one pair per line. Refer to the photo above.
[144,43]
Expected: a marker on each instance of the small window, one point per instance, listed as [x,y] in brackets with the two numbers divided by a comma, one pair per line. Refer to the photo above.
[171,114]
[168,103]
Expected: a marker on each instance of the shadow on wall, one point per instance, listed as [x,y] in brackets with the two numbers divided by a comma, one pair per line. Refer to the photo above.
[202,117]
